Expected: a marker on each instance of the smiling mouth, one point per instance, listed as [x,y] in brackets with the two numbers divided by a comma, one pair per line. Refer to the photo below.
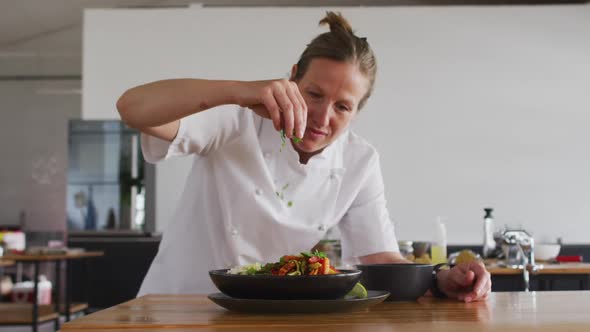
[317,132]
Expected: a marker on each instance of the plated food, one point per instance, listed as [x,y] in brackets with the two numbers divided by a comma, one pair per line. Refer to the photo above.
[301,276]
[303,264]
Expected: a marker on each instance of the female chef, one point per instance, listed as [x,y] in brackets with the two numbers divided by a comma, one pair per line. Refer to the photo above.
[250,197]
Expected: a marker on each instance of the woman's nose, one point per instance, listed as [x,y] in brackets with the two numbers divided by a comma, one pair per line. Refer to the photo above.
[321,116]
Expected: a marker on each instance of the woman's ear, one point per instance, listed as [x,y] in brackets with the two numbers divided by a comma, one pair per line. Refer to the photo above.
[293,72]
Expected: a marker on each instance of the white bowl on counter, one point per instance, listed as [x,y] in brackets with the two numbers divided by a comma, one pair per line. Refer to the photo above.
[546,251]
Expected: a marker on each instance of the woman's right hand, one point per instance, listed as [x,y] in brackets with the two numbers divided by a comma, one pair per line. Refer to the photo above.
[278,100]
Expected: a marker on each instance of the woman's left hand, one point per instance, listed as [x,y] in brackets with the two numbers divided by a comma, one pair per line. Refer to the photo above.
[466,282]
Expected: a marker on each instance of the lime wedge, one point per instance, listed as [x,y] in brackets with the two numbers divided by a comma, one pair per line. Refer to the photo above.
[358,291]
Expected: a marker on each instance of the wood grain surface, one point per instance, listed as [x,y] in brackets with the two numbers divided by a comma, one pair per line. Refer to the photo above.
[517,311]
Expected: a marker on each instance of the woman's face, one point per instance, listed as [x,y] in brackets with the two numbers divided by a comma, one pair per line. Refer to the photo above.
[332,91]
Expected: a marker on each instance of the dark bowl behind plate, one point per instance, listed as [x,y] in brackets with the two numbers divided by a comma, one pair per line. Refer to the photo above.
[331,286]
[405,282]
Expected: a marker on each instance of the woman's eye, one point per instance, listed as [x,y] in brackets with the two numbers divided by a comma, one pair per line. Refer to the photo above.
[314,94]
[343,108]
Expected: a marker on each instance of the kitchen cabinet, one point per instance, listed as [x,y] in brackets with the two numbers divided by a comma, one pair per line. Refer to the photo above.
[117,276]
[551,277]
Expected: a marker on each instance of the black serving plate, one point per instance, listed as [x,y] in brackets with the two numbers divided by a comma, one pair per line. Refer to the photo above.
[262,306]
[330,286]
[405,282]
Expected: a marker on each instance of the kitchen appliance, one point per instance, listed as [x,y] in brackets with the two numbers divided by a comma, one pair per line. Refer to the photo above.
[519,253]
[105,189]
[518,248]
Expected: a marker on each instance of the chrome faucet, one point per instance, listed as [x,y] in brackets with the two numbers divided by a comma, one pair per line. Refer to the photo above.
[518,247]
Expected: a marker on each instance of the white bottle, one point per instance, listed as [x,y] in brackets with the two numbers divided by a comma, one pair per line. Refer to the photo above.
[44,291]
[439,245]
[489,244]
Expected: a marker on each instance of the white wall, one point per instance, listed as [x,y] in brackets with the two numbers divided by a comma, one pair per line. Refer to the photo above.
[33,151]
[473,107]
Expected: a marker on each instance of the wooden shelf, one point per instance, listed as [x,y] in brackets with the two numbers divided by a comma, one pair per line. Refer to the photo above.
[16,313]
[6,263]
[21,313]
[74,308]
[39,258]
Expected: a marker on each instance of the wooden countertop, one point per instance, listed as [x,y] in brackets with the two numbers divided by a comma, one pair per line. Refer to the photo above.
[518,311]
[32,258]
[563,268]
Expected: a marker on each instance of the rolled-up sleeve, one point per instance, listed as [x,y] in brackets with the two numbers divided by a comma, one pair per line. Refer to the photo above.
[200,133]
[366,228]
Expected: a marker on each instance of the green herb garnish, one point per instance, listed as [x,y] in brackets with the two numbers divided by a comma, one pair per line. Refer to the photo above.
[281,194]
[315,253]
[284,139]
[290,203]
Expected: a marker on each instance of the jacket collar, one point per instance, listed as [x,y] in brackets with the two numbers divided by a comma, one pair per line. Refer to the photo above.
[270,143]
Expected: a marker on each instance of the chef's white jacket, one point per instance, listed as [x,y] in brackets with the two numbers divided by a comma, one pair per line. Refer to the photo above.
[248,199]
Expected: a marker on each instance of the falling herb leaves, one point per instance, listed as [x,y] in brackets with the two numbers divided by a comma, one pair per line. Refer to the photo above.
[296,140]
[281,195]
[284,139]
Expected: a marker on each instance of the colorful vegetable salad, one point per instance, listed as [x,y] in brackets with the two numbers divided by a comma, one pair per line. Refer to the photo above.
[308,264]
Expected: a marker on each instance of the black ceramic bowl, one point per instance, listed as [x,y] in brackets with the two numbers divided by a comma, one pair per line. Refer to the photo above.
[331,286]
[405,282]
